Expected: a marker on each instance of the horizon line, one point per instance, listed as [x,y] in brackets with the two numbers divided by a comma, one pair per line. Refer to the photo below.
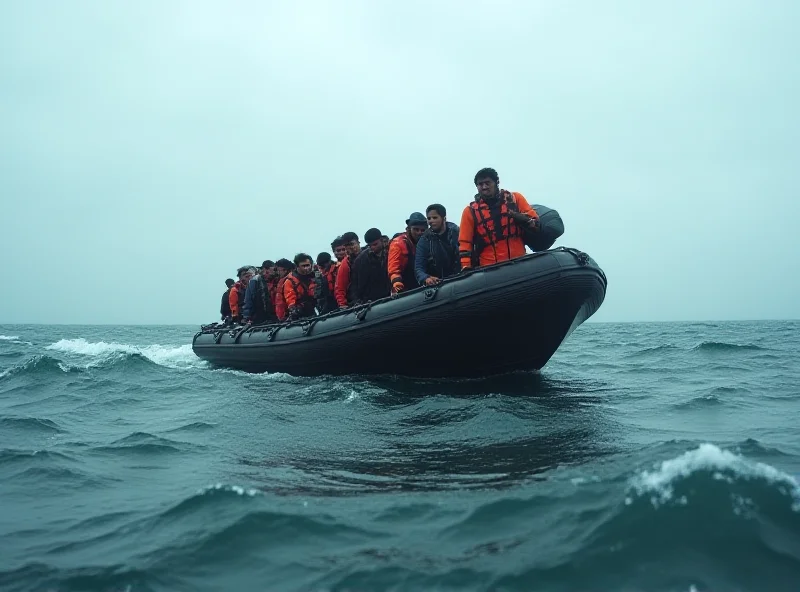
[587,322]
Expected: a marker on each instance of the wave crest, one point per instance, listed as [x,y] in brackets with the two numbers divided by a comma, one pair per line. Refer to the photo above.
[722,346]
[180,357]
[671,476]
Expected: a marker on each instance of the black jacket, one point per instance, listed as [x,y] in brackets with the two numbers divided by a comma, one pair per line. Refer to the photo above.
[225,306]
[437,254]
[258,305]
[372,276]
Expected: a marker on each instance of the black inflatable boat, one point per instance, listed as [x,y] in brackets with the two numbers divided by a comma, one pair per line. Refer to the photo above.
[494,319]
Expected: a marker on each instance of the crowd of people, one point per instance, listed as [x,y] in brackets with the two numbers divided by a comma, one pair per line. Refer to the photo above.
[493,229]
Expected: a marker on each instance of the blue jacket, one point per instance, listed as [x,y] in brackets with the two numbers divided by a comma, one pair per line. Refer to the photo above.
[437,254]
[249,299]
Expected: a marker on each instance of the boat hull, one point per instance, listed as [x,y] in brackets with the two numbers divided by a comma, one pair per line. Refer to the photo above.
[497,319]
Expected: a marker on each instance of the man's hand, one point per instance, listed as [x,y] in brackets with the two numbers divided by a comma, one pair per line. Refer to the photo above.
[432,281]
[398,287]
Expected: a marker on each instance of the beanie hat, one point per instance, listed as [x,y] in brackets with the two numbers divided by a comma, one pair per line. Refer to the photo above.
[372,235]
[417,219]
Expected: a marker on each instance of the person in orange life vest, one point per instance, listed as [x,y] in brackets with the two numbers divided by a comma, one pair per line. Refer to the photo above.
[344,290]
[278,273]
[326,300]
[338,248]
[487,233]
[371,276]
[284,267]
[299,289]
[402,254]
[238,291]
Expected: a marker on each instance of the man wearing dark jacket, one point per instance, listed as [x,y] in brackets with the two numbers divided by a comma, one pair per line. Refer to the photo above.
[371,270]
[225,306]
[437,250]
[326,283]
[258,305]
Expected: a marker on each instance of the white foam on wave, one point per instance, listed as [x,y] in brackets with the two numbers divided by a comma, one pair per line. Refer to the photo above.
[255,375]
[171,357]
[726,466]
[237,489]
[9,337]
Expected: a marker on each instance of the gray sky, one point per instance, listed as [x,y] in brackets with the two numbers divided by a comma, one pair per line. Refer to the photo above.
[150,148]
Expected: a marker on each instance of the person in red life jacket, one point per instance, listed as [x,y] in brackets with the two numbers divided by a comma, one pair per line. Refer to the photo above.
[282,268]
[236,296]
[327,270]
[338,248]
[299,289]
[487,233]
[402,254]
[225,305]
[259,306]
[370,267]
[344,290]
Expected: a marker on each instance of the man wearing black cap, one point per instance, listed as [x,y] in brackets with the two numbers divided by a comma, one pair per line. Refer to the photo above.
[402,253]
[371,275]
[258,304]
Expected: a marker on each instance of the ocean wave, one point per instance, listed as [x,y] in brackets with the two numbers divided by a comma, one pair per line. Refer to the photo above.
[653,350]
[699,402]
[144,443]
[723,346]
[667,483]
[14,339]
[753,447]
[180,357]
[46,478]
[10,456]
[37,365]
[30,424]
[197,426]
[114,578]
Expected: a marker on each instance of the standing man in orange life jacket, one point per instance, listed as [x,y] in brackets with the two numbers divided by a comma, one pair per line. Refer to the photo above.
[488,234]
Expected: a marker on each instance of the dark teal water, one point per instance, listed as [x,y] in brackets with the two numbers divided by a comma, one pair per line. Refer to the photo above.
[658,457]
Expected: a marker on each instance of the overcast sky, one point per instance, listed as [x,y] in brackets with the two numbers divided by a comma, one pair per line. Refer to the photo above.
[150,148]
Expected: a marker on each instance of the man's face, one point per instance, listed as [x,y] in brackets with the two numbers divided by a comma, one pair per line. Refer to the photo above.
[353,247]
[304,267]
[376,246]
[435,220]
[486,187]
[247,277]
[282,271]
[416,232]
[340,252]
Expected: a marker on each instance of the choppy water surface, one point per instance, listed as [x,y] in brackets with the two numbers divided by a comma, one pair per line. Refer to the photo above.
[643,457]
